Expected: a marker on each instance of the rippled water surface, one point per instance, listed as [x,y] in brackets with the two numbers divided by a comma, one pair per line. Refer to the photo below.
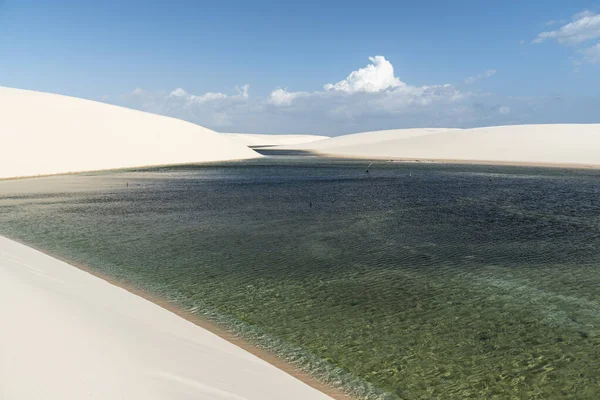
[409,281]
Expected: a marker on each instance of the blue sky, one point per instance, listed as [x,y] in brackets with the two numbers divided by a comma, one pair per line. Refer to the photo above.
[165,56]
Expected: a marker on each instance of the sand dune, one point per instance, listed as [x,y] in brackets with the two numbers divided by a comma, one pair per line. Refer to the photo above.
[566,144]
[69,335]
[258,140]
[364,138]
[42,133]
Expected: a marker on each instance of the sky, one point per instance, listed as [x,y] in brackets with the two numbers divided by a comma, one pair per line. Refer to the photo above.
[324,67]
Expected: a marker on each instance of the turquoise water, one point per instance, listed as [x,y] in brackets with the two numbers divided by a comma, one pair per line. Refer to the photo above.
[409,281]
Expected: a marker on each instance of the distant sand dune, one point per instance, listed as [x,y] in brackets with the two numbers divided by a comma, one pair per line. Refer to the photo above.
[258,140]
[43,133]
[367,138]
[560,144]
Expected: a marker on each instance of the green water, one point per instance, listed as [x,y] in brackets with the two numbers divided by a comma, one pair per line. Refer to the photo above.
[410,281]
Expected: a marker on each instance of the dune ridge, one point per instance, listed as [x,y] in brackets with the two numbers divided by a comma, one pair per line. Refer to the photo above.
[45,134]
[258,140]
[556,144]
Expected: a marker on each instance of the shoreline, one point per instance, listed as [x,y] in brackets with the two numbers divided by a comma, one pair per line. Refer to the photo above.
[463,162]
[203,323]
[328,156]
[125,169]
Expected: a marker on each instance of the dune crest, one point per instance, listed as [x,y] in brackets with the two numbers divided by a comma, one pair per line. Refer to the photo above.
[558,144]
[258,140]
[44,134]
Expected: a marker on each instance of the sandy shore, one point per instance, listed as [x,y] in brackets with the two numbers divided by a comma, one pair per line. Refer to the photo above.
[45,134]
[464,162]
[68,334]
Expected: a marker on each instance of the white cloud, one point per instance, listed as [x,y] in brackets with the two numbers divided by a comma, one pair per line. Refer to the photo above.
[209,96]
[242,93]
[372,86]
[369,98]
[422,96]
[592,54]
[281,97]
[211,108]
[583,14]
[179,92]
[334,112]
[484,75]
[374,77]
[583,27]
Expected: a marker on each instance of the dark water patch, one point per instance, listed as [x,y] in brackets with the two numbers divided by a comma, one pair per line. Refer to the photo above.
[270,151]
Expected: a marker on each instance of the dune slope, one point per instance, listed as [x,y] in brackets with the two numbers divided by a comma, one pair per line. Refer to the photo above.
[43,133]
[69,335]
[356,140]
[572,144]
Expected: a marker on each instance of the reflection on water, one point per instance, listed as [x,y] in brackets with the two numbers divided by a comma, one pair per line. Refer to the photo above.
[421,281]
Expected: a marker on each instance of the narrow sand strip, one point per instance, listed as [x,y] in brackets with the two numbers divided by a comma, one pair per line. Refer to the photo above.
[67,334]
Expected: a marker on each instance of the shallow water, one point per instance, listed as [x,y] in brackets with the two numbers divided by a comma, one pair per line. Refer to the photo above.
[409,281]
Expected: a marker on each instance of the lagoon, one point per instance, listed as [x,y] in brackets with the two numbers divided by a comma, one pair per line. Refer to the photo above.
[410,280]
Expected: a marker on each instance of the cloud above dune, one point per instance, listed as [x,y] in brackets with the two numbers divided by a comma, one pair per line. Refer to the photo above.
[372,86]
[209,96]
[583,28]
[369,98]
[281,97]
[210,109]
[375,77]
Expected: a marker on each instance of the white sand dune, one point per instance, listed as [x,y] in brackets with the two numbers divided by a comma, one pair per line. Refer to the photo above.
[560,144]
[66,334]
[363,138]
[258,140]
[43,133]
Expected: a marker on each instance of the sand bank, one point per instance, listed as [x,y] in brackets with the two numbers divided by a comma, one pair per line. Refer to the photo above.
[67,334]
[547,145]
[44,134]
